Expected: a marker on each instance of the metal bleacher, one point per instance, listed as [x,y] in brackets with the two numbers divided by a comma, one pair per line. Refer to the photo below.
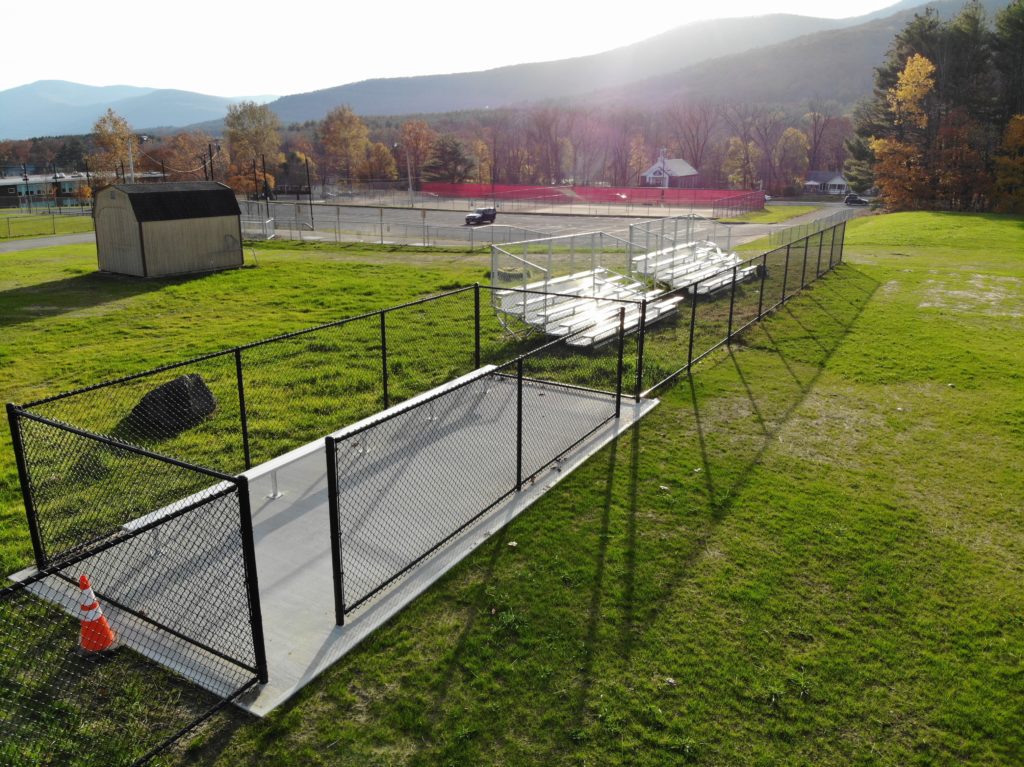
[683,265]
[586,303]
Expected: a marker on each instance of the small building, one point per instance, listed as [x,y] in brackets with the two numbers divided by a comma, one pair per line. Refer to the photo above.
[155,230]
[667,173]
[825,182]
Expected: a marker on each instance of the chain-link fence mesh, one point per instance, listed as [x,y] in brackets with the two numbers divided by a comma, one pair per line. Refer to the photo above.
[172,588]
[304,385]
[407,482]
[189,411]
[715,308]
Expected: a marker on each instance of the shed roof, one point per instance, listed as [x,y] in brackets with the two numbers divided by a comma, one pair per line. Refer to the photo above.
[180,200]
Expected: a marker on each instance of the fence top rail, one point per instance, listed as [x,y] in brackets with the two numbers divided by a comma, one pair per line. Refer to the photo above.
[552,294]
[30,576]
[127,446]
[557,237]
[235,349]
[410,404]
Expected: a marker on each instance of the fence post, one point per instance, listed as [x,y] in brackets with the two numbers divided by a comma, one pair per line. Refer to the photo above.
[832,247]
[785,273]
[384,357]
[252,586]
[693,322]
[241,407]
[817,266]
[640,350]
[622,343]
[732,304]
[760,293]
[803,266]
[26,488]
[337,564]
[842,243]
[519,424]
[476,324]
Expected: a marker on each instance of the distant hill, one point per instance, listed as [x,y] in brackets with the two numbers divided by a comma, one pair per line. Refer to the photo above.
[836,65]
[57,107]
[776,58]
[506,86]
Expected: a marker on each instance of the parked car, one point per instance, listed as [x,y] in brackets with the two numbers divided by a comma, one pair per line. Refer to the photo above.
[482,216]
[852,199]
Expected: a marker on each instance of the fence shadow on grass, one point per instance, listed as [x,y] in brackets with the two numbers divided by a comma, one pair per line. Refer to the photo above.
[86,291]
[722,419]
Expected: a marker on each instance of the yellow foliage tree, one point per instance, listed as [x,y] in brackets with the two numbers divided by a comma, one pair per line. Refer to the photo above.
[907,98]
[116,146]
[345,140]
[1009,181]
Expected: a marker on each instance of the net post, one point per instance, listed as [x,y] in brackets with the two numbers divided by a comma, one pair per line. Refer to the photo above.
[337,565]
[242,414]
[384,358]
[519,424]
[732,305]
[622,344]
[252,586]
[640,350]
[26,487]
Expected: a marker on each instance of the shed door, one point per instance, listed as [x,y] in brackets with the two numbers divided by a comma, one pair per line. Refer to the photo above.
[120,249]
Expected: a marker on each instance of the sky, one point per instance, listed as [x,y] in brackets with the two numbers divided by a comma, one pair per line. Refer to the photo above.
[278,48]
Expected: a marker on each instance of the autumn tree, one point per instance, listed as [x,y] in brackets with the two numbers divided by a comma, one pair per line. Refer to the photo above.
[253,134]
[184,155]
[416,140]
[901,169]
[1009,175]
[345,140]
[791,159]
[379,164]
[114,146]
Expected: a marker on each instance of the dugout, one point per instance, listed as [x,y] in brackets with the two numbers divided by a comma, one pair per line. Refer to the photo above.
[155,230]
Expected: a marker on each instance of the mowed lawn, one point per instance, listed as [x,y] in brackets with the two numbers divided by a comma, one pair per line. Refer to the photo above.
[809,554]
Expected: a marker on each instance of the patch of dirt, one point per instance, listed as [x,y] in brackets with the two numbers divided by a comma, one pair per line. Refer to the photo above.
[984,294]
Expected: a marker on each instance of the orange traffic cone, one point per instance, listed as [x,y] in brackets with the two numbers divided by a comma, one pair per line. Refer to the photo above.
[97,635]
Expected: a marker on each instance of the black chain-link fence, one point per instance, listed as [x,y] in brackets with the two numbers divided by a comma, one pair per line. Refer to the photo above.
[177,634]
[135,478]
[406,482]
[715,309]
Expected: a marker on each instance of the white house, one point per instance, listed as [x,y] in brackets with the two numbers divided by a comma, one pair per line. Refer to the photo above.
[825,182]
[666,173]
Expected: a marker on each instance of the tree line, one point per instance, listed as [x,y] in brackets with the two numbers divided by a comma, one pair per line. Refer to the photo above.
[944,128]
[731,145]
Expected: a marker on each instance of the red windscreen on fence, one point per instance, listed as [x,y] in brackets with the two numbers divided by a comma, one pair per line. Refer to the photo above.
[570,194]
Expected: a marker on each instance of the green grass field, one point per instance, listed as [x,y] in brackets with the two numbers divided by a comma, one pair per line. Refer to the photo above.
[15,225]
[773,214]
[808,554]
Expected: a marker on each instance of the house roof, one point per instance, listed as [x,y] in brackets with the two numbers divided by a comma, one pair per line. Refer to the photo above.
[674,168]
[180,200]
[824,177]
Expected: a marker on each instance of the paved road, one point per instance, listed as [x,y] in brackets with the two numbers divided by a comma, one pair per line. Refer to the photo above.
[31,243]
[447,226]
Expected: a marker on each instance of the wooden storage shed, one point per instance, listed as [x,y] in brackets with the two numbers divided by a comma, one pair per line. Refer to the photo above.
[154,230]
